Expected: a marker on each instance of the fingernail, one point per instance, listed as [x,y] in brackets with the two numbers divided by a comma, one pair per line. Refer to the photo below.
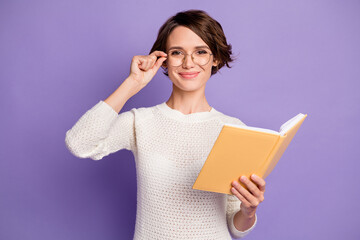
[243,178]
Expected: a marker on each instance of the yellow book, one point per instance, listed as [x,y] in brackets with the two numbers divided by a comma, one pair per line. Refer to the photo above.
[243,150]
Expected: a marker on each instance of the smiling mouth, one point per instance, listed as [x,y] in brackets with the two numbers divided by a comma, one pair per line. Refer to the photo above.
[188,76]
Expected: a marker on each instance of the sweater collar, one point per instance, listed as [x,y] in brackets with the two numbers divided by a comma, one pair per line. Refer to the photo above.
[177,115]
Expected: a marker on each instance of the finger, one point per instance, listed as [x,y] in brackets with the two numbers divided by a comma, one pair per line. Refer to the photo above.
[158,53]
[152,61]
[159,63]
[147,65]
[149,62]
[138,60]
[240,197]
[251,186]
[259,181]
[247,195]
[142,63]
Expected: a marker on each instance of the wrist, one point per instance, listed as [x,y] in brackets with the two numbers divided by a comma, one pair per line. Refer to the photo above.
[132,85]
[247,214]
[243,222]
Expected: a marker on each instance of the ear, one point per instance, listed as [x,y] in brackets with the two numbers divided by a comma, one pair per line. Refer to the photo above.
[215,63]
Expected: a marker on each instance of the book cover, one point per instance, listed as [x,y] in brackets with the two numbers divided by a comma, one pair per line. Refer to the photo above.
[242,150]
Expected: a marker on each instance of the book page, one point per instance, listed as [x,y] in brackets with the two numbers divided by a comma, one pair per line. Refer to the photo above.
[283,129]
[253,128]
[290,123]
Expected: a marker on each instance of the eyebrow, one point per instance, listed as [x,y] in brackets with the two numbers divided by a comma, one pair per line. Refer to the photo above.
[177,47]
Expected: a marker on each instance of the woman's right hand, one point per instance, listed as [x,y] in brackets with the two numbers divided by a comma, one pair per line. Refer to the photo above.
[144,67]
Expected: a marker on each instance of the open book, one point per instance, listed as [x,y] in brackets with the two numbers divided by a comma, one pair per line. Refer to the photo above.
[242,150]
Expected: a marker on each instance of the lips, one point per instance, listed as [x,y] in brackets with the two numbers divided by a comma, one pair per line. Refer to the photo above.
[189,74]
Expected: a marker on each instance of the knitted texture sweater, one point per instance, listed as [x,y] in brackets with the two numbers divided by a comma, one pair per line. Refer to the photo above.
[169,149]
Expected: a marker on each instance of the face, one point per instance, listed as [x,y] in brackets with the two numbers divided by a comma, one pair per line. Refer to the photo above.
[187,40]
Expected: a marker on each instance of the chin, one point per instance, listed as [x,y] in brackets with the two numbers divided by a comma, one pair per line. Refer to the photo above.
[188,86]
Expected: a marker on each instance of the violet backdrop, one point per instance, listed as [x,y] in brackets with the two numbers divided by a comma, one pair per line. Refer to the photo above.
[59,58]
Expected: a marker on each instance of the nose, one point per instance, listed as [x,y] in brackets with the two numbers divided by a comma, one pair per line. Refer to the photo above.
[188,61]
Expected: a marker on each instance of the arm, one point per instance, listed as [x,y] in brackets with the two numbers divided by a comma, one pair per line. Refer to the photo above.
[142,70]
[122,94]
[250,199]
[101,130]
[239,225]
[243,222]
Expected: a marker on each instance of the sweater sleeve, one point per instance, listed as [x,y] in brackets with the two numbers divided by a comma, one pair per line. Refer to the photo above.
[232,207]
[101,131]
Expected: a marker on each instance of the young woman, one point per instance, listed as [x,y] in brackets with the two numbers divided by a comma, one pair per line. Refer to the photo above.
[170,141]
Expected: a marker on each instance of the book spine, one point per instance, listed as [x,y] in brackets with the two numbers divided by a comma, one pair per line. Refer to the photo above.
[281,146]
[269,164]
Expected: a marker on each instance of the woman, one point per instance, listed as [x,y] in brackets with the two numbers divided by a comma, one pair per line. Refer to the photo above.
[170,141]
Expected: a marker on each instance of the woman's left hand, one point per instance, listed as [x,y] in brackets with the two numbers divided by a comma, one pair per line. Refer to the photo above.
[249,199]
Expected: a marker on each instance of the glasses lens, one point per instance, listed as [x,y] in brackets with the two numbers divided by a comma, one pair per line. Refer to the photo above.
[200,57]
[175,58]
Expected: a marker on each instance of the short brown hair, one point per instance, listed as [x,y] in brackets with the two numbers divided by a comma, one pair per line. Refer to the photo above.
[207,28]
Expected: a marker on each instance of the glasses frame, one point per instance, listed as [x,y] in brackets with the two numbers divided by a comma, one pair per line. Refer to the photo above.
[185,55]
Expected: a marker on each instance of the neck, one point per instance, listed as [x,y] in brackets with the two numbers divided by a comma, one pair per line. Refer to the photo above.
[188,102]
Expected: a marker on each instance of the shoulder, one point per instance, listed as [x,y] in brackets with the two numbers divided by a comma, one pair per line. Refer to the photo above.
[142,113]
[229,119]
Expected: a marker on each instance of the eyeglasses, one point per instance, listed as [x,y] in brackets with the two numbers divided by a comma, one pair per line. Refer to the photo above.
[177,57]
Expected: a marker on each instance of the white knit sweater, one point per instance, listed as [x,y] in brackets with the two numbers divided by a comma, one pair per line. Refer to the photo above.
[170,149]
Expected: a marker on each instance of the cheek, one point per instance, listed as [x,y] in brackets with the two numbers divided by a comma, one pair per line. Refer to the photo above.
[208,70]
[171,72]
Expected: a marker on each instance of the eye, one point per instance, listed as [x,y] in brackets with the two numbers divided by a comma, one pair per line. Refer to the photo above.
[201,52]
[175,53]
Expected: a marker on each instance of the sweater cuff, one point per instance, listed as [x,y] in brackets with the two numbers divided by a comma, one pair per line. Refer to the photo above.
[235,232]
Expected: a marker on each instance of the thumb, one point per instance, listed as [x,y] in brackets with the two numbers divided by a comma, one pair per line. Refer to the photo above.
[158,63]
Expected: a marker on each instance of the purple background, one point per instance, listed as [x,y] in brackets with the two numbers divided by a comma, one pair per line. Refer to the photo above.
[59,58]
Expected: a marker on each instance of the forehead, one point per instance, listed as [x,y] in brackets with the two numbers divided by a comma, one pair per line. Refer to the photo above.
[185,38]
